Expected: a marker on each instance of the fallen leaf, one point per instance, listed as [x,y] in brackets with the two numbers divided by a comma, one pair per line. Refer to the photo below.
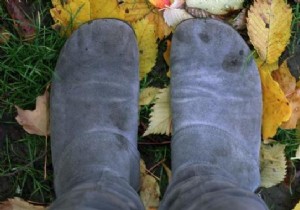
[23,25]
[161,28]
[178,4]
[149,190]
[269,24]
[148,95]
[167,55]
[160,120]
[272,164]
[276,108]
[297,207]
[168,172]
[239,22]
[287,84]
[36,121]
[285,79]
[106,9]
[4,35]
[70,15]
[160,3]
[294,101]
[175,16]
[217,7]
[135,10]
[200,13]
[19,204]
[145,33]
[297,155]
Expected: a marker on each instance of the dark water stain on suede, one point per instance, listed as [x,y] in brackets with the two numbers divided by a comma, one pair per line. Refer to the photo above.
[205,37]
[232,63]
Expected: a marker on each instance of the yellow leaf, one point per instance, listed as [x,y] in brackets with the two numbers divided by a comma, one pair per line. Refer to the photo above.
[297,207]
[294,100]
[288,85]
[148,95]
[19,204]
[147,45]
[285,79]
[272,164]
[37,121]
[269,24]
[149,190]
[73,13]
[161,28]
[68,17]
[160,121]
[276,108]
[106,9]
[135,10]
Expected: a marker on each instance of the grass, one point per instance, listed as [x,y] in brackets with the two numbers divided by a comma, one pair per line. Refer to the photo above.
[25,71]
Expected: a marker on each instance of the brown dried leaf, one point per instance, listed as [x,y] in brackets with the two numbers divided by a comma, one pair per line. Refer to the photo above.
[36,121]
[19,204]
[22,24]
[149,191]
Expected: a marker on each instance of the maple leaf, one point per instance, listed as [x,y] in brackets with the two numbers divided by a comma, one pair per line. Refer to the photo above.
[269,24]
[217,7]
[19,204]
[148,95]
[160,120]
[36,121]
[272,164]
[276,108]
[147,45]
[149,190]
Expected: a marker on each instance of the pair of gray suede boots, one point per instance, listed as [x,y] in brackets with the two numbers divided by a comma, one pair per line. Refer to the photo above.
[216,107]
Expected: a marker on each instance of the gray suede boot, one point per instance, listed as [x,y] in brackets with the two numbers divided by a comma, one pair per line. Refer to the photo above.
[94,119]
[216,104]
